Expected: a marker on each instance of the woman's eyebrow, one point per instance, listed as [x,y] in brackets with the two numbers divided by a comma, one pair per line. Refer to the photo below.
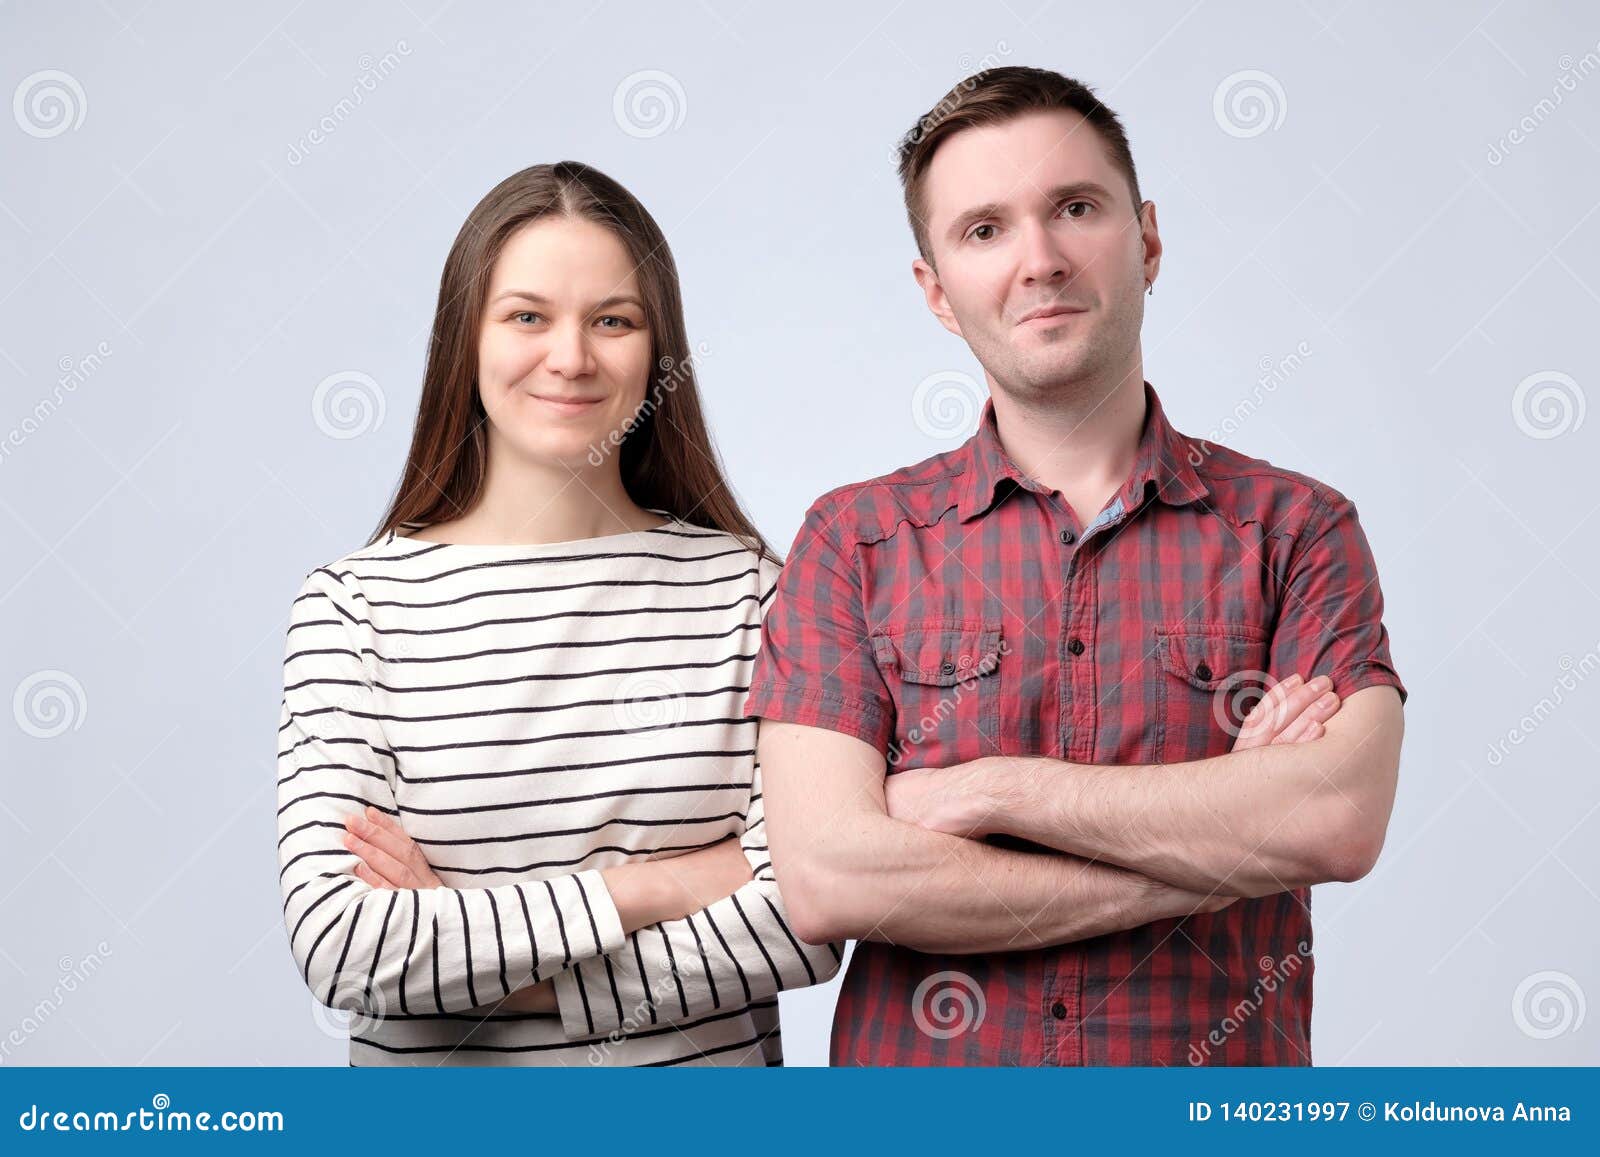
[540,299]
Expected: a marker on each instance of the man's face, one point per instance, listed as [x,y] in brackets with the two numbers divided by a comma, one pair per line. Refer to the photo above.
[1031,216]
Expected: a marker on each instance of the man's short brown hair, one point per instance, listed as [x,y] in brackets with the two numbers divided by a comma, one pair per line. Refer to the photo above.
[993,97]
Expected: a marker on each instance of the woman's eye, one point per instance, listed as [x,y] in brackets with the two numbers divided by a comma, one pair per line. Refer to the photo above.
[622,322]
[526,317]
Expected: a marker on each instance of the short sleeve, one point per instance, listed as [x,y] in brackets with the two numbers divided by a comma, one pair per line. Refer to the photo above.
[815,666]
[1330,614]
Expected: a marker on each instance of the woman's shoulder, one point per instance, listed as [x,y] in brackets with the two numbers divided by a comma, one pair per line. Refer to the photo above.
[711,542]
[341,576]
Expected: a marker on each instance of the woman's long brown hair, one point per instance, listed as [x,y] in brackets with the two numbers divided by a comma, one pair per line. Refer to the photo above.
[667,458]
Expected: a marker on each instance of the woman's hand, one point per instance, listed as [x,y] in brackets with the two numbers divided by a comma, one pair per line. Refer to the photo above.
[388,858]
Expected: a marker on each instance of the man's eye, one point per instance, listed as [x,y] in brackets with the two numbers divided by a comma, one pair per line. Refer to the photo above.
[978,234]
[1070,204]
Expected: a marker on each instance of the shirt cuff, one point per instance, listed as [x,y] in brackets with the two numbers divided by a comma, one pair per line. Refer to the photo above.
[609,933]
[576,1000]
[810,707]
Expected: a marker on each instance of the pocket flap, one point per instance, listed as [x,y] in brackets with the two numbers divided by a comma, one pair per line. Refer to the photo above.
[940,655]
[1212,659]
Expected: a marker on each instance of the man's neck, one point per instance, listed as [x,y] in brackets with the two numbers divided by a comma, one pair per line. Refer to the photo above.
[1082,444]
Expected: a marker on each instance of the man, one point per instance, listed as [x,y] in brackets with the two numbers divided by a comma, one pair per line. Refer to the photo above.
[1000,687]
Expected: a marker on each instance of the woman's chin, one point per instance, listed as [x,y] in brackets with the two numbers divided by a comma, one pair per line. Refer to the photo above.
[576,447]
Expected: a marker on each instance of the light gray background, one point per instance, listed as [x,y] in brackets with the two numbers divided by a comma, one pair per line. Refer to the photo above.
[158,513]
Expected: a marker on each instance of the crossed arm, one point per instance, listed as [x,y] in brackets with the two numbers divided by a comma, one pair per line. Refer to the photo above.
[863,857]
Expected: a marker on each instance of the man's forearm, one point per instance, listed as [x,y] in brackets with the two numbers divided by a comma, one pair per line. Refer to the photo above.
[1248,823]
[882,879]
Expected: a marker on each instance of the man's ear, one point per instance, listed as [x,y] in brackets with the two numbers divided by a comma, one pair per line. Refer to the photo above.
[938,304]
[1151,236]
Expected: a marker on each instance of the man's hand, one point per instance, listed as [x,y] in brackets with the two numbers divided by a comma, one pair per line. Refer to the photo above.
[1292,711]
[960,800]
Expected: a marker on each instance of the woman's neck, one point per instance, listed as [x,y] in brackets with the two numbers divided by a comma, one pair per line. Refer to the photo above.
[526,503]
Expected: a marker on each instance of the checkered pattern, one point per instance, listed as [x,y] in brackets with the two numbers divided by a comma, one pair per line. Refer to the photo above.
[956,609]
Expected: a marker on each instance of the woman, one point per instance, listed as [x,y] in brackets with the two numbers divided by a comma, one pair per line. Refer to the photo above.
[520,816]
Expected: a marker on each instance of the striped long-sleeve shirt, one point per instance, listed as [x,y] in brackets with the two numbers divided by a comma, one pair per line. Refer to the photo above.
[532,715]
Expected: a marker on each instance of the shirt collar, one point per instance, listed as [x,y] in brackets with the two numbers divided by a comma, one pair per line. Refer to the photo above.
[1163,461]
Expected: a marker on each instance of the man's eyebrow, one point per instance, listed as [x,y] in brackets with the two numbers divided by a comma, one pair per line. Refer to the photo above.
[1079,189]
[540,299]
[1056,195]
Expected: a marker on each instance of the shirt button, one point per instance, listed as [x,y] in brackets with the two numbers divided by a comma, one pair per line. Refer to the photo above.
[1203,671]
[1058,1010]
[1067,537]
[1075,646]
[948,668]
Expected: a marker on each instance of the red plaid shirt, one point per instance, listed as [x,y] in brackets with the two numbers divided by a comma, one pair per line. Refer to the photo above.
[1138,639]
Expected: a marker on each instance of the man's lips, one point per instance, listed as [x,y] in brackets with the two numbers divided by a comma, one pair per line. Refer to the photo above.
[1049,313]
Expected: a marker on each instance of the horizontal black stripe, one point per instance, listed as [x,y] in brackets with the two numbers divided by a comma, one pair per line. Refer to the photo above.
[535,560]
[517,620]
[593,765]
[602,733]
[623,641]
[592,584]
[477,684]
[543,1046]
[553,800]
[536,709]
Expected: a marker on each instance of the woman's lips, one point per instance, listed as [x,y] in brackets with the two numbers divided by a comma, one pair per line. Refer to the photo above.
[568,406]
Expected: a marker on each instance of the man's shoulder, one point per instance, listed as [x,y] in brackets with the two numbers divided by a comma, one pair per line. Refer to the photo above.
[1246,489]
[869,511]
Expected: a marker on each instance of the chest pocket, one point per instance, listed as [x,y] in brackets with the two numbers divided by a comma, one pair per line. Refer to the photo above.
[1212,674]
[945,680]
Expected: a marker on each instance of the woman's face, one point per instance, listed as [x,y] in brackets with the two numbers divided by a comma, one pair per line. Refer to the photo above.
[564,352]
